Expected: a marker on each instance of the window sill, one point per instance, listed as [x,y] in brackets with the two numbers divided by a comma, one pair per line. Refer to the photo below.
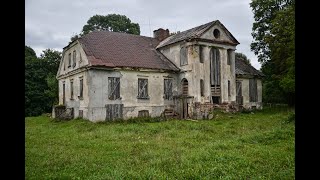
[80,98]
[143,98]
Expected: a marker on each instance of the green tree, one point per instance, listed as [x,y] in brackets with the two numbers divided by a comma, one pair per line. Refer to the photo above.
[41,87]
[239,55]
[111,22]
[274,44]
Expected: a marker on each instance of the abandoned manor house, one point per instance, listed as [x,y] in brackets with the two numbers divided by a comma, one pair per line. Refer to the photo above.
[109,75]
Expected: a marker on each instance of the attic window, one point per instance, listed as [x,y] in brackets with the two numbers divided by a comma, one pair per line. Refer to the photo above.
[216,33]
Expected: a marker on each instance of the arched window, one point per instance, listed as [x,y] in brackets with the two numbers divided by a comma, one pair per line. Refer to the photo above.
[184,85]
[183,56]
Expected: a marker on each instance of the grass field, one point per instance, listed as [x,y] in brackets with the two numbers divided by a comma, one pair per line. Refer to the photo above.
[232,146]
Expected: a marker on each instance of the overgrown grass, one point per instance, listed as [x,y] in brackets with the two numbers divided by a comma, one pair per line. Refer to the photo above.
[258,145]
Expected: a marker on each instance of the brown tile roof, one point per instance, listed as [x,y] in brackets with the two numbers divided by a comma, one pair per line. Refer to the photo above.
[195,32]
[112,49]
[242,68]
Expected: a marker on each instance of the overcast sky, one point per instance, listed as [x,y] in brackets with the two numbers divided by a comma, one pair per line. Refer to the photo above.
[51,23]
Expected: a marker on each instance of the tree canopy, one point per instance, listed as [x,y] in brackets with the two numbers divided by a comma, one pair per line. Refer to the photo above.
[110,22]
[41,85]
[240,55]
[274,43]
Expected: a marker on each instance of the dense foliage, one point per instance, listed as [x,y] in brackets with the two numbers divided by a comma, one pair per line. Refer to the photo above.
[41,85]
[274,43]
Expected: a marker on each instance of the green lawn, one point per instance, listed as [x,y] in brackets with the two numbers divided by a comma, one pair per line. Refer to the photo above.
[233,146]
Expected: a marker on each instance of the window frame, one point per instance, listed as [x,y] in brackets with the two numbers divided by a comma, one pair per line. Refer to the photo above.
[253,90]
[184,55]
[167,94]
[69,60]
[201,88]
[71,90]
[146,94]
[113,92]
[81,88]
[74,57]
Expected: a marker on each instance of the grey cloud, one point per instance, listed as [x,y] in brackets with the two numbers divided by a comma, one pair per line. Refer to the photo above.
[50,24]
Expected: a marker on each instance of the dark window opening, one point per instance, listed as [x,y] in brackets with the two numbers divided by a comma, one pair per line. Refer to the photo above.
[69,61]
[200,54]
[143,113]
[71,89]
[229,51]
[113,88]
[184,83]
[74,58]
[201,87]
[216,99]
[216,33]
[143,89]
[168,94]
[81,89]
[229,93]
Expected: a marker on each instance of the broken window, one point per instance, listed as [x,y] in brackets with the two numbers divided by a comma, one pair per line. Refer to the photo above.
[143,89]
[113,88]
[74,58]
[69,61]
[200,54]
[201,87]
[253,92]
[81,89]
[229,93]
[71,89]
[183,56]
[168,89]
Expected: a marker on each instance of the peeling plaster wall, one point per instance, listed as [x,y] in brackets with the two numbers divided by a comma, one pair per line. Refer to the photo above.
[80,61]
[194,70]
[245,93]
[98,83]
[76,103]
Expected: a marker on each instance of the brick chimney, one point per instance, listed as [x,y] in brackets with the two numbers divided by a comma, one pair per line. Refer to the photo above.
[161,34]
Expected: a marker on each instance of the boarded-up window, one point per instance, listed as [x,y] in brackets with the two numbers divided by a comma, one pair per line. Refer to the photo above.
[168,94]
[229,93]
[69,60]
[201,87]
[74,58]
[143,89]
[200,54]
[71,89]
[229,51]
[215,67]
[183,56]
[239,98]
[81,89]
[114,111]
[184,84]
[143,113]
[113,88]
[253,93]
